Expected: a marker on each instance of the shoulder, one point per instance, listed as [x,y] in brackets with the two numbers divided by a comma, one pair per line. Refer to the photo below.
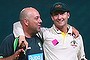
[9,38]
[7,45]
[43,29]
[79,39]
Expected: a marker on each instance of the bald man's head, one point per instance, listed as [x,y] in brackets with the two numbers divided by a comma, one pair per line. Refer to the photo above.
[27,12]
[30,20]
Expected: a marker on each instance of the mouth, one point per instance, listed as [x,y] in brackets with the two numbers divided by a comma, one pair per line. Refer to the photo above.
[39,26]
[60,20]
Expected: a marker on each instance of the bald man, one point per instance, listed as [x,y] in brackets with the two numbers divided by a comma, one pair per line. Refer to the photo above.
[31,23]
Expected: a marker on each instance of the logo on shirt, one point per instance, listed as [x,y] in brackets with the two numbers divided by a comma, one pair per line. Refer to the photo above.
[55,42]
[74,43]
[39,44]
[38,56]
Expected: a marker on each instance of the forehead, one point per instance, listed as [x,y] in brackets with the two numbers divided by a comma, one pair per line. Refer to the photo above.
[33,13]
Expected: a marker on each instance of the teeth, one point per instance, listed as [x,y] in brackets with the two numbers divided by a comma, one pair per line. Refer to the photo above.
[62,19]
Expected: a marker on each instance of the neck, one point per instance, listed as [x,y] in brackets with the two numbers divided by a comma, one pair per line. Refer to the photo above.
[28,33]
[62,28]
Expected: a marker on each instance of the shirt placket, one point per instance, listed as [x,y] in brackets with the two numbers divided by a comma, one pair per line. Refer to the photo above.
[64,39]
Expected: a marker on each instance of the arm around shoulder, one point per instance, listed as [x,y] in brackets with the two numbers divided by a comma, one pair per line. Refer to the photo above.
[17,29]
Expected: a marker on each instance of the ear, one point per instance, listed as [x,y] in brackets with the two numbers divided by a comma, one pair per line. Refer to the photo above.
[26,22]
[68,14]
[52,17]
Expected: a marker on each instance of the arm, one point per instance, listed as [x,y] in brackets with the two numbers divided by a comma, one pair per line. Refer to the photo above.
[15,56]
[81,53]
[17,29]
[75,32]
[18,32]
[6,49]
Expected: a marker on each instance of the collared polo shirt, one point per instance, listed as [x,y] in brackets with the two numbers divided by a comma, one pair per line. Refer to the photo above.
[58,46]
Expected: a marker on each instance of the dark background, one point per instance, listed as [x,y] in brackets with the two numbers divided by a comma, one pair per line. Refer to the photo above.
[80,16]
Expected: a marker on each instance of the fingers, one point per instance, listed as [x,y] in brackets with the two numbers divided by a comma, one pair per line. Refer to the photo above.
[26,43]
[76,36]
[75,32]
[17,54]
[22,38]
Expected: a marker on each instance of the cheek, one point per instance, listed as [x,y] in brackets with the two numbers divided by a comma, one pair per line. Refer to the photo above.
[54,18]
[34,24]
[31,24]
[66,17]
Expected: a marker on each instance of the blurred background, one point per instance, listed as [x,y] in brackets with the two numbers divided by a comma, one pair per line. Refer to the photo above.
[80,16]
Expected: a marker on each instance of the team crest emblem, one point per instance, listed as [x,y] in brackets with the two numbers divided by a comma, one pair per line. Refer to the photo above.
[74,43]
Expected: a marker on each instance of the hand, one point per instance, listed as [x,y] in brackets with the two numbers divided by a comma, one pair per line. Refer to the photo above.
[75,32]
[22,38]
[15,56]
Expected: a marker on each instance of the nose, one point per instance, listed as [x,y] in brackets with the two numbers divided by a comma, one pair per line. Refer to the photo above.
[40,20]
[59,16]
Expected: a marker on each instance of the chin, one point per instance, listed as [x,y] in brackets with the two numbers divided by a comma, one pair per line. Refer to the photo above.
[61,24]
[38,30]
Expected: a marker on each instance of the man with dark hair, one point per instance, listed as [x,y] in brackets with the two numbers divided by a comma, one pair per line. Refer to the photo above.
[59,41]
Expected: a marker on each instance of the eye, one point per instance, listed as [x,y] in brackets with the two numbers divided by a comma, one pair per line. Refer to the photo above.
[37,17]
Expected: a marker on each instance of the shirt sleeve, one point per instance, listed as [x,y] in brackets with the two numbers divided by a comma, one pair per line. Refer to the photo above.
[81,53]
[17,29]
